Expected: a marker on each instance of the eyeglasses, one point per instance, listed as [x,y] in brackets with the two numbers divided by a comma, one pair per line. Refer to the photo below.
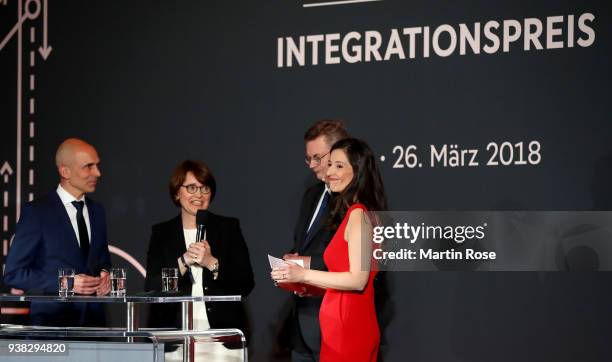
[192,189]
[315,159]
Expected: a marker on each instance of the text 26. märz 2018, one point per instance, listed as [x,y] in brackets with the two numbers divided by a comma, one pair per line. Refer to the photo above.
[494,154]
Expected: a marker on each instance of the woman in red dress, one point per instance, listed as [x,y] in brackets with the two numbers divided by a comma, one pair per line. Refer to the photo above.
[349,328]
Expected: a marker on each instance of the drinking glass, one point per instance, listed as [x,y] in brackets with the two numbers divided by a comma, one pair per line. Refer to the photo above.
[117,277]
[170,280]
[65,279]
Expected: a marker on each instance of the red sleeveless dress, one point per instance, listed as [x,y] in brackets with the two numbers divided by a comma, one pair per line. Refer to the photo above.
[349,328]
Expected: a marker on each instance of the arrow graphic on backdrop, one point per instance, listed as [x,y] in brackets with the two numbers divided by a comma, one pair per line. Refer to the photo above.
[45,50]
[13,31]
[6,171]
[31,11]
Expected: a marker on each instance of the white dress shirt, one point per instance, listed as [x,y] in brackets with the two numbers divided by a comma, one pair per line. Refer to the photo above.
[313,217]
[67,200]
[200,318]
[203,351]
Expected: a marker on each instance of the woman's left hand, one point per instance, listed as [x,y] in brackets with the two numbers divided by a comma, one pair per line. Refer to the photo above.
[290,273]
[201,254]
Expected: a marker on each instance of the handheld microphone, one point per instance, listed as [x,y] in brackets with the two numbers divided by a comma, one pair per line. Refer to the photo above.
[201,221]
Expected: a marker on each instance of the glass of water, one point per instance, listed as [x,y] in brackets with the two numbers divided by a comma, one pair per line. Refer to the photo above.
[65,279]
[170,280]
[117,278]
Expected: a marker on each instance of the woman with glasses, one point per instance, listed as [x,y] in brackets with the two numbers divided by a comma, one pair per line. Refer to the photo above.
[217,265]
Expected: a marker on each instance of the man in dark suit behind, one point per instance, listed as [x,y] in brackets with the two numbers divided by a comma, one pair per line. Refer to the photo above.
[311,237]
[63,229]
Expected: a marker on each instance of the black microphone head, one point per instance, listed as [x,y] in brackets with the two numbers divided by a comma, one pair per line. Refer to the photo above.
[202,217]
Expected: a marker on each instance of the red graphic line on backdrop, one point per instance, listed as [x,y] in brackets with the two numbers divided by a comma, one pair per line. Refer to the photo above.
[130,259]
[341,2]
[15,311]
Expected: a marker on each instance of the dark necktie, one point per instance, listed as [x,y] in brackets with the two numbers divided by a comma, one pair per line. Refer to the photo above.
[318,219]
[83,235]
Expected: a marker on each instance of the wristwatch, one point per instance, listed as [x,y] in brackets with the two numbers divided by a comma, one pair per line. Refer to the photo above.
[215,270]
[187,269]
[184,262]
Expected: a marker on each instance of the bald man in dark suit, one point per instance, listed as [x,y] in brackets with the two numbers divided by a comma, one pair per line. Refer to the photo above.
[64,229]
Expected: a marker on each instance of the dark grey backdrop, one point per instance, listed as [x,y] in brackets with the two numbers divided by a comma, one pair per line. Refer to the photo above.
[150,83]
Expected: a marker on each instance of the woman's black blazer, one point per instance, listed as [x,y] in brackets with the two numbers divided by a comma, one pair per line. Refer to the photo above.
[235,273]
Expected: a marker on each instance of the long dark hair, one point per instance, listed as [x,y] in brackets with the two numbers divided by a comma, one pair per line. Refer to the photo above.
[366,187]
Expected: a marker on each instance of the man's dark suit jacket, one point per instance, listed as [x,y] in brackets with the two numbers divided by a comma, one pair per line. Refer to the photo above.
[306,333]
[235,273]
[44,242]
